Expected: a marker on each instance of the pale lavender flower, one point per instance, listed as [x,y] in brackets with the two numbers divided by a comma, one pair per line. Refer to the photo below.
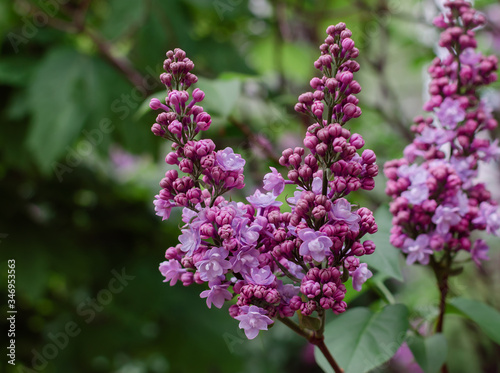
[247,234]
[438,136]
[172,270]
[470,57]
[450,113]
[190,241]
[214,264]
[490,153]
[287,291]
[317,186]
[216,295]
[228,160]
[296,270]
[445,217]
[273,181]
[260,276]
[464,167]
[163,207]
[244,260]
[416,194]
[360,275]
[188,215]
[480,252]
[418,250]
[341,210]
[252,320]
[488,215]
[315,244]
[259,199]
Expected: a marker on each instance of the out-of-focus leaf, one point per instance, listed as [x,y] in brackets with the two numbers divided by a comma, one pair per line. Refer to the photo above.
[486,317]
[16,71]
[121,15]
[56,100]
[386,257]
[221,96]
[430,353]
[69,91]
[295,61]
[370,339]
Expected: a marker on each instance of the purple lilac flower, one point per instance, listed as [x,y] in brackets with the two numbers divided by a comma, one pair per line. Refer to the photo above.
[488,215]
[480,252]
[214,264]
[261,276]
[244,260]
[274,182]
[252,320]
[438,136]
[341,210]
[172,270]
[190,241]
[418,250]
[259,199]
[450,113]
[416,194]
[490,152]
[163,207]
[217,295]
[315,244]
[470,57]
[445,217]
[229,161]
[360,275]
[287,291]
[248,249]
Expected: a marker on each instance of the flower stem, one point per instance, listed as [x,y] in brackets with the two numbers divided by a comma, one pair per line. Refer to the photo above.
[316,338]
[320,343]
[442,272]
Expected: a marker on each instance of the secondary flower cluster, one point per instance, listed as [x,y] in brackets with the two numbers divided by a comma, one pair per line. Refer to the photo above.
[437,203]
[275,263]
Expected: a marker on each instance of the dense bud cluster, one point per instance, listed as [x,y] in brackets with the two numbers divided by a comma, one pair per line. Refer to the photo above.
[272,263]
[437,202]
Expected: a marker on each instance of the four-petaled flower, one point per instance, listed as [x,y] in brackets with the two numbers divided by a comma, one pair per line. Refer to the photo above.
[214,264]
[274,182]
[216,295]
[228,160]
[341,210]
[252,320]
[418,250]
[450,113]
[259,199]
[360,275]
[172,270]
[314,244]
[190,241]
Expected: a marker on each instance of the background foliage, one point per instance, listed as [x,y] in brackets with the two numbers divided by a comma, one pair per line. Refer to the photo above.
[79,168]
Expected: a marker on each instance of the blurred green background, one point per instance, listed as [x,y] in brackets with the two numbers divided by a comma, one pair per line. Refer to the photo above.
[80,167]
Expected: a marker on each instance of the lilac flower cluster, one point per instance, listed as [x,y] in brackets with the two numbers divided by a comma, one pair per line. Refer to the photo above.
[437,202]
[272,263]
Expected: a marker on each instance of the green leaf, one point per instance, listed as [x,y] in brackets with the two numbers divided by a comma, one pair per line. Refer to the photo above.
[58,114]
[361,340]
[430,353]
[16,71]
[386,258]
[486,317]
[221,96]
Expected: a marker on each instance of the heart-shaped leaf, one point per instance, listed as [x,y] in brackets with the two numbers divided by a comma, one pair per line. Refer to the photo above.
[430,353]
[360,340]
[486,317]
